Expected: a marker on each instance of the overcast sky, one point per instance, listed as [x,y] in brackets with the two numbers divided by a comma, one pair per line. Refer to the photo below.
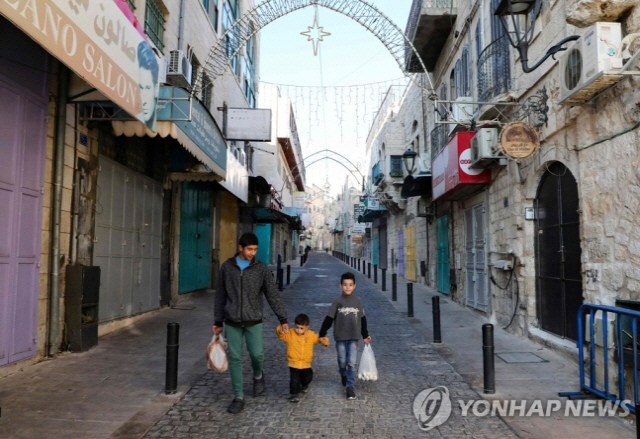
[347,59]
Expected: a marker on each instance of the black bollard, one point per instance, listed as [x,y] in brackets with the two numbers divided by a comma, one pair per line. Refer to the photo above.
[364,267]
[488,359]
[369,270]
[437,337]
[375,273]
[280,278]
[410,299]
[637,426]
[394,287]
[301,260]
[358,264]
[171,377]
[384,279]
[288,274]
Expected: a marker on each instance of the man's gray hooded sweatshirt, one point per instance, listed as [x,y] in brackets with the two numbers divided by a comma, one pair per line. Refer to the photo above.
[238,299]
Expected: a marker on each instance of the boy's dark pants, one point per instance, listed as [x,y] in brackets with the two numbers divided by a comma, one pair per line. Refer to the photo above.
[299,378]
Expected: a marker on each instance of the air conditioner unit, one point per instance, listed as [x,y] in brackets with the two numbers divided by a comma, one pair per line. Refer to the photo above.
[461,113]
[424,208]
[590,64]
[424,163]
[484,147]
[179,69]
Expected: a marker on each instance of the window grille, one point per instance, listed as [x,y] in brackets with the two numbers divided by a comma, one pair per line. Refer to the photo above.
[131,4]
[154,24]
[396,166]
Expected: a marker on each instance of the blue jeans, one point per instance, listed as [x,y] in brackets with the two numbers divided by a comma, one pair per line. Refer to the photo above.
[347,358]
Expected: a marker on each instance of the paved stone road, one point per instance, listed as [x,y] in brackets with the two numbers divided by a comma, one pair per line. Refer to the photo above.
[407,364]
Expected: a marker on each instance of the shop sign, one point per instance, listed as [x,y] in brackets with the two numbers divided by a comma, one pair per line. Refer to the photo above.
[96,40]
[451,169]
[519,140]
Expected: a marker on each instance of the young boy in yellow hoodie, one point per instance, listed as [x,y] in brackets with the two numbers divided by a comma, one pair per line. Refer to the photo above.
[300,344]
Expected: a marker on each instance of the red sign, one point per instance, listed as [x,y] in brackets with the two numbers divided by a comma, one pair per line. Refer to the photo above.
[451,169]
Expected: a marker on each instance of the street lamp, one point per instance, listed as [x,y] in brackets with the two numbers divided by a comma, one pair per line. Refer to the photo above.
[525,11]
[409,158]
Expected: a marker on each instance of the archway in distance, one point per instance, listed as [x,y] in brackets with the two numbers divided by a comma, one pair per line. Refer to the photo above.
[367,15]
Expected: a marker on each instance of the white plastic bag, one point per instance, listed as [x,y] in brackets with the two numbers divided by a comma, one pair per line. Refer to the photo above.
[217,354]
[367,371]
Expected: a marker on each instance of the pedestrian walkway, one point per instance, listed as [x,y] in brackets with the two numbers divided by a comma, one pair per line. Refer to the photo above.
[461,333]
[407,364]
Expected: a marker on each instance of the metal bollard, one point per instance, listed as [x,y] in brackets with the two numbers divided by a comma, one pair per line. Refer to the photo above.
[637,426]
[171,376]
[410,299]
[358,264]
[301,260]
[384,279]
[288,274]
[488,359]
[369,270]
[375,273]
[364,267]
[437,337]
[280,278]
[394,287]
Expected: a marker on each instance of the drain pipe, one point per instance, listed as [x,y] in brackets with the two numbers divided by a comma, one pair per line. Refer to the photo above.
[56,214]
[181,24]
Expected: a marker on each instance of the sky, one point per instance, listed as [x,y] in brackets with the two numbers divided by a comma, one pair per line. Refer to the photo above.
[335,93]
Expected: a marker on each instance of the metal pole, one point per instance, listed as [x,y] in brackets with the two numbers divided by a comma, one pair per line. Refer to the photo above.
[301,260]
[364,267]
[637,413]
[410,299]
[488,359]
[358,264]
[375,273]
[437,337]
[280,278]
[288,274]
[171,377]
[384,279]
[369,270]
[394,287]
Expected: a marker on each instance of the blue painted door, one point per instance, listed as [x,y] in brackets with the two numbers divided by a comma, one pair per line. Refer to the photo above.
[263,232]
[195,238]
[442,235]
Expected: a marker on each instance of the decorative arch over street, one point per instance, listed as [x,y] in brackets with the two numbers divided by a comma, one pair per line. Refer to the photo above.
[367,15]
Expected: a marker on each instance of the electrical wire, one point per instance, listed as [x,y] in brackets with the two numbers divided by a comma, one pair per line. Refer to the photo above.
[512,276]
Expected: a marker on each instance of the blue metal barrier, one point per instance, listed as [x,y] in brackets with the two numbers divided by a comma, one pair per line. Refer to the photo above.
[592,387]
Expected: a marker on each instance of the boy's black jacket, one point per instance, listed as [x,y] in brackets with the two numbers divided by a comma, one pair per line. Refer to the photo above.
[238,299]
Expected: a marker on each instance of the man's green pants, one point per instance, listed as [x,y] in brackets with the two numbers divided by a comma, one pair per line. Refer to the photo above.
[253,335]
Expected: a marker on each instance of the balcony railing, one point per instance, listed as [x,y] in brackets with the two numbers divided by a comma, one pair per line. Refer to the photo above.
[376,174]
[494,71]
[439,136]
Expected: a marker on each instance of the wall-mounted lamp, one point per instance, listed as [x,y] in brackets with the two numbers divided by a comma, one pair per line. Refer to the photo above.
[512,11]
[409,158]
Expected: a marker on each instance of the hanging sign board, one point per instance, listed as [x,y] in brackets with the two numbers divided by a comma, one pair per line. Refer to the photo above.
[519,140]
[248,124]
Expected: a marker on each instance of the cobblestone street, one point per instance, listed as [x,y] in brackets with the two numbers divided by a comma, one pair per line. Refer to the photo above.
[407,364]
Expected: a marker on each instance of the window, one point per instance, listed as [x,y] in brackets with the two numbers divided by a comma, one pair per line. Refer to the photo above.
[462,74]
[131,4]
[249,69]
[211,6]
[229,16]
[396,166]
[207,91]
[154,24]
[452,82]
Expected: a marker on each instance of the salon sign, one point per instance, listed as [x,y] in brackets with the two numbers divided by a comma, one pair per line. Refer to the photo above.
[99,40]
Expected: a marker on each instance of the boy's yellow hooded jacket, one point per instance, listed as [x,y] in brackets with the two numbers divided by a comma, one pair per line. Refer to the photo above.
[299,347]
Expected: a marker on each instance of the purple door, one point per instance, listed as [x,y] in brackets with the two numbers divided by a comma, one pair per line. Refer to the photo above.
[23,115]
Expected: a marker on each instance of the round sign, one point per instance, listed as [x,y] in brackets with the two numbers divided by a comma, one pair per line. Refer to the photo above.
[519,140]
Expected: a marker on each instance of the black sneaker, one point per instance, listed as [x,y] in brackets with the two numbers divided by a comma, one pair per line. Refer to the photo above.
[258,386]
[305,389]
[344,381]
[236,406]
[351,394]
[294,398]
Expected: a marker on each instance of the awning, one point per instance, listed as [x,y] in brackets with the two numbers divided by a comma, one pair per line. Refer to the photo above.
[369,215]
[266,215]
[258,185]
[417,186]
[164,129]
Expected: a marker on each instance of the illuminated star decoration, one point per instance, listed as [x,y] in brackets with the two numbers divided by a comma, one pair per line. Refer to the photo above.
[315,33]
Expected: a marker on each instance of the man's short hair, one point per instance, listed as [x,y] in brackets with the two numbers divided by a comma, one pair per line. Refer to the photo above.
[302,319]
[348,275]
[147,60]
[248,239]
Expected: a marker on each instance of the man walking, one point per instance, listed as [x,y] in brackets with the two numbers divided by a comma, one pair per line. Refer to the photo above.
[238,305]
